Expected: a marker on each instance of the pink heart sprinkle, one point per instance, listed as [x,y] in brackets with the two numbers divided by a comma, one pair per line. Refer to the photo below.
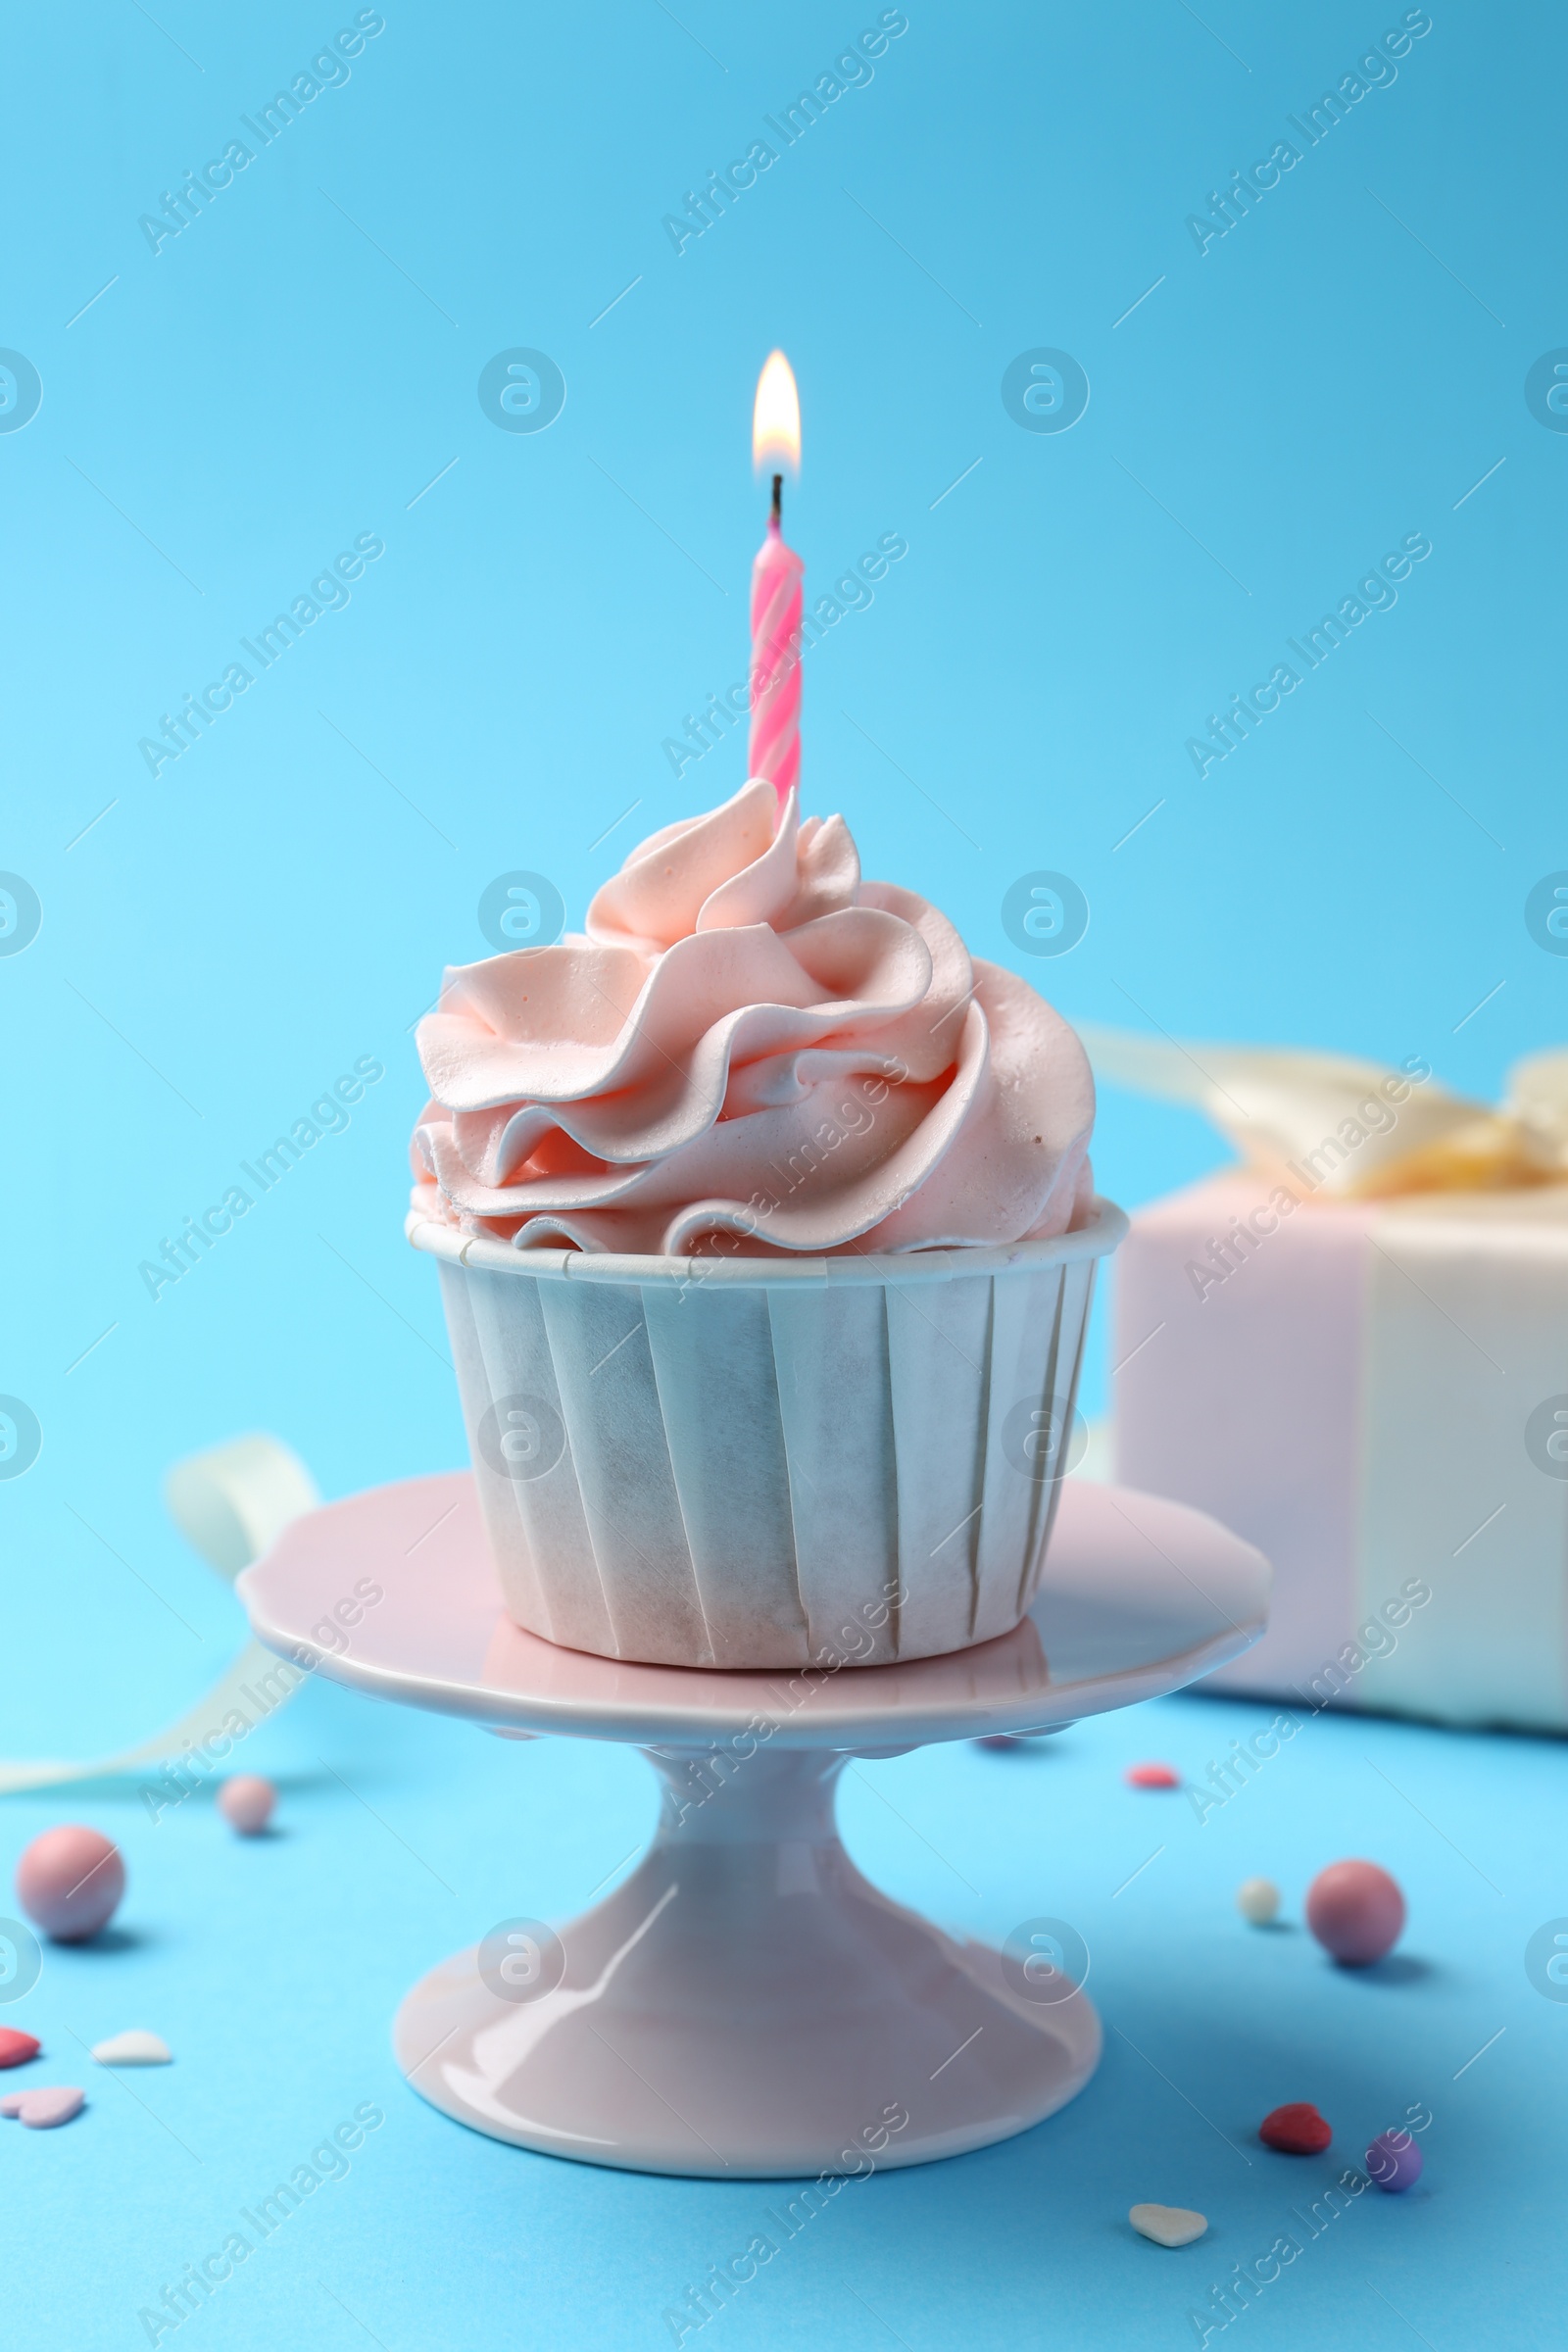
[41,2110]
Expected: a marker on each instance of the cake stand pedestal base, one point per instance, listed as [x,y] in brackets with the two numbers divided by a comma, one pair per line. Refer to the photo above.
[746,2005]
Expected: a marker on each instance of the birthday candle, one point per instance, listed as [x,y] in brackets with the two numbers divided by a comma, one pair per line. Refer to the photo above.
[776,600]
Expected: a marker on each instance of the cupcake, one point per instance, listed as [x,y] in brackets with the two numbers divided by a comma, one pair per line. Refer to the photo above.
[766,1233]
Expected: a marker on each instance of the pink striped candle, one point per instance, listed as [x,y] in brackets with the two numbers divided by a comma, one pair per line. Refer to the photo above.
[775,748]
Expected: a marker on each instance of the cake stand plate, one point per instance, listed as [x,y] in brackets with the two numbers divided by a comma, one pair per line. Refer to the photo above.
[746,2005]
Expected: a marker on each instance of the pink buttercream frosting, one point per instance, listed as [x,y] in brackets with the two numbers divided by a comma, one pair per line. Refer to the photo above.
[751,1050]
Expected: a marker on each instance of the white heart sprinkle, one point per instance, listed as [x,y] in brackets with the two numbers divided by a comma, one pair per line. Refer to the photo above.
[1169,2224]
[138,2048]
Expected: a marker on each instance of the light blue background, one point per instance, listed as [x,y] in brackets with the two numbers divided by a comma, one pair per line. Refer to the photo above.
[294,370]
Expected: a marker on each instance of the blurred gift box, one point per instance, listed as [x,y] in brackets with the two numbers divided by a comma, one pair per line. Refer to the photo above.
[1353,1351]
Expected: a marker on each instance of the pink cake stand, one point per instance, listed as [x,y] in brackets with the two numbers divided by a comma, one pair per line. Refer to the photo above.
[746,2005]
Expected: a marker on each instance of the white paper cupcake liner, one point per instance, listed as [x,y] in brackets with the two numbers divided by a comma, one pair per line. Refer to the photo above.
[768,1463]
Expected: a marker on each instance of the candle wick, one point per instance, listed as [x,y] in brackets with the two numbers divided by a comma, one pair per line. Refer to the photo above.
[778,498]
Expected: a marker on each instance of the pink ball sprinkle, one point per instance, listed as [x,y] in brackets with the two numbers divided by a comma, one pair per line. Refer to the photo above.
[1151,1776]
[246,1803]
[70,1882]
[1355,1911]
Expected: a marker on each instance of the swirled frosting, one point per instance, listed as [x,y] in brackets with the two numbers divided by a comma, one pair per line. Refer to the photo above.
[751,1050]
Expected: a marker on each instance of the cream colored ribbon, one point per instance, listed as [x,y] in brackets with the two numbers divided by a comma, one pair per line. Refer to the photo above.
[1465,1313]
[1356,1130]
[229,1504]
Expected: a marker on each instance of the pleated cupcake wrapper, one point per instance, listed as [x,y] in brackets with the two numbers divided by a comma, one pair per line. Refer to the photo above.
[845,1463]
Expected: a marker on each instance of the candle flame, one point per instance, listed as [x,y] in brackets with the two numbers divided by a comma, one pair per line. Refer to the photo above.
[776,417]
